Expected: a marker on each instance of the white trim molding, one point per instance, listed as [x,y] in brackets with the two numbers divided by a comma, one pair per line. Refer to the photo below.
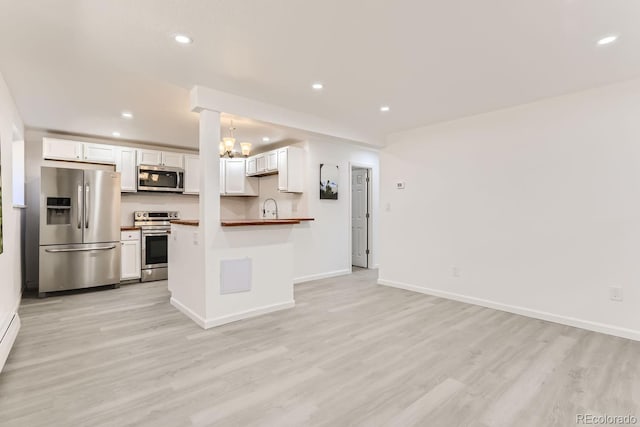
[188,312]
[319,276]
[222,320]
[7,338]
[523,311]
[210,323]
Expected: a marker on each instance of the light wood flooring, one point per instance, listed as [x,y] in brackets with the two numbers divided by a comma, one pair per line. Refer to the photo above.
[350,353]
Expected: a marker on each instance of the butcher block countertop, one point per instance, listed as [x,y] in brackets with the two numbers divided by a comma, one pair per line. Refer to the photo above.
[129,228]
[244,222]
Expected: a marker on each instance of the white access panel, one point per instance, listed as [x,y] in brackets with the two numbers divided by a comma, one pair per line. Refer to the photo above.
[235,275]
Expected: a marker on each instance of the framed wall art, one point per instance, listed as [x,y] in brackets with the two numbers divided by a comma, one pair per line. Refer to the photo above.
[329,181]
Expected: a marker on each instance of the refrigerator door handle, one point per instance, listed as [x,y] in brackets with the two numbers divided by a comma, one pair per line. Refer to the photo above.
[79,206]
[86,207]
[102,248]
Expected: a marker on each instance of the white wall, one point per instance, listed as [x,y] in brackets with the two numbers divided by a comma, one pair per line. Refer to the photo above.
[538,207]
[322,247]
[186,205]
[11,258]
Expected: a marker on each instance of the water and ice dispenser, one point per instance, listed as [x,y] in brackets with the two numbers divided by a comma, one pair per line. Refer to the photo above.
[58,211]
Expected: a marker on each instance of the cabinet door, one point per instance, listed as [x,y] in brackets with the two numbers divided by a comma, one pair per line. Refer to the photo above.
[234,176]
[174,160]
[191,174]
[251,166]
[61,149]
[100,153]
[223,168]
[126,165]
[272,161]
[261,163]
[295,170]
[130,259]
[149,157]
[283,171]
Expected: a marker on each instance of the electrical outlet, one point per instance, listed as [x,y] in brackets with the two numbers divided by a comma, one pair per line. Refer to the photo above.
[615,293]
[455,271]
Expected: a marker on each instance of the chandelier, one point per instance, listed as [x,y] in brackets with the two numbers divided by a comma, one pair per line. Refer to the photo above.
[227,145]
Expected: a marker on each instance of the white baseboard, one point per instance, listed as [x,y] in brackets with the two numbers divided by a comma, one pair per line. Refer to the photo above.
[210,323]
[188,312]
[222,320]
[7,338]
[319,276]
[536,314]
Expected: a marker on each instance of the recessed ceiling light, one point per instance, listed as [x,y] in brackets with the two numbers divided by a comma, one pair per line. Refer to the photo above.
[116,134]
[182,39]
[607,40]
[385,108]
[127,115]
[317,86]
[265,139]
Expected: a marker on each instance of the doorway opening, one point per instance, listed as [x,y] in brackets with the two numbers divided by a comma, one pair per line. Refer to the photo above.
[360,216]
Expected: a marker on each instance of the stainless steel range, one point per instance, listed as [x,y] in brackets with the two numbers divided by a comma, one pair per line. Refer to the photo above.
[155,227]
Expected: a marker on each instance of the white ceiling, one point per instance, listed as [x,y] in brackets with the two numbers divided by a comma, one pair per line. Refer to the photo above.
[74,65]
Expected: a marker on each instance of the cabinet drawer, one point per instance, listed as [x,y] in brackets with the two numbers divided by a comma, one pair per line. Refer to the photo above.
[130,235]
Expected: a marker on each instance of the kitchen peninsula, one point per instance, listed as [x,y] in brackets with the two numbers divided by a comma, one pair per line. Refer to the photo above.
[244,271]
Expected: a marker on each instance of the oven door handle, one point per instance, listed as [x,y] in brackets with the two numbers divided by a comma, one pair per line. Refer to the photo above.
[157,233]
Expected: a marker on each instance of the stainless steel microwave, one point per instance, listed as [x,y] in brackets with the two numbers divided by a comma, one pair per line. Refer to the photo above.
[160,178]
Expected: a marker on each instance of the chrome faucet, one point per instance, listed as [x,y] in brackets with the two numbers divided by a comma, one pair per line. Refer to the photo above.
[264,204]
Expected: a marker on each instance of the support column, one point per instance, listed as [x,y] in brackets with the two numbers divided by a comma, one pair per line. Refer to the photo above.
[209,197]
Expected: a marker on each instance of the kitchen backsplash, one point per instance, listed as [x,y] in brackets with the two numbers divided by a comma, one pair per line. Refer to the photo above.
[186,205]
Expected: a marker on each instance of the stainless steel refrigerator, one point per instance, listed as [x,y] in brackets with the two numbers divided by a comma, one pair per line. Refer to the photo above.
[79,229]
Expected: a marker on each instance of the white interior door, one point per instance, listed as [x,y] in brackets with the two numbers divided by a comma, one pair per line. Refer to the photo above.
[359,230]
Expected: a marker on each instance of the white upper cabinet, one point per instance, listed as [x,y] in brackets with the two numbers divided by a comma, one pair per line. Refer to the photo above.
[99,153]
[261,163]
[251,166]
[62,149]
[125,159]
[174,160]
[160,158]
[191,174]
[126,165]
[223,172]
[272,161]
[291,170]
[234,181]
[150,157]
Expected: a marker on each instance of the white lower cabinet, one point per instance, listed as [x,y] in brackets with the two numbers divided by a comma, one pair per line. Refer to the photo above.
[130,255]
